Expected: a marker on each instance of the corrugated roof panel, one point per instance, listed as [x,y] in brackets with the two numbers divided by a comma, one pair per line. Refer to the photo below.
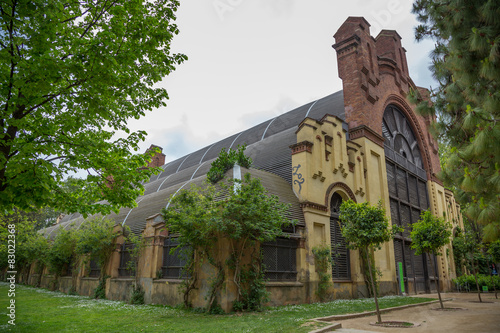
[216,148]
[332,104]
[288,120]
[270,154]
[251,135]
[154,203]
[273,154]
[275,185]
[172,167]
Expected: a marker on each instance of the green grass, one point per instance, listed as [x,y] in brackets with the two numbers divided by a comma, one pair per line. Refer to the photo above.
[39,310]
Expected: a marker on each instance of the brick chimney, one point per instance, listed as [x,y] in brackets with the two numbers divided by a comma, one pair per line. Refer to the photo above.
[370,69]
[158,159]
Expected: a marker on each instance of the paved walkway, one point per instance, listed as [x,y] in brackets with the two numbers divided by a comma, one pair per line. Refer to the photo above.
[475,317]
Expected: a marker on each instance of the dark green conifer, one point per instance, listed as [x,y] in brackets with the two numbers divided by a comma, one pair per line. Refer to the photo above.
[466,103]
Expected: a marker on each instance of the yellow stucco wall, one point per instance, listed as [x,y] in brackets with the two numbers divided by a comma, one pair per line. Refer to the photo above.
[325,162]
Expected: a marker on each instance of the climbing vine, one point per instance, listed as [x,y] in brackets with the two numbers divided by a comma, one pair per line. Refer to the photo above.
[138,244]
[323,261]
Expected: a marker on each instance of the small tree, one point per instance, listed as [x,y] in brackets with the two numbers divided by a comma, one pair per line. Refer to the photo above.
[61,252]
[97,240]
[189,215]
[245,218]
[366,228]
[429,235]
[250,216]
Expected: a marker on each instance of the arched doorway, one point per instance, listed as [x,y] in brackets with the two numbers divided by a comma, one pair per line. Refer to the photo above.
[407,181]
[341,268]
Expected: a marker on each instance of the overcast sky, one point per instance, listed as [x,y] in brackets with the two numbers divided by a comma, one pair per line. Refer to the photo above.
[251,60]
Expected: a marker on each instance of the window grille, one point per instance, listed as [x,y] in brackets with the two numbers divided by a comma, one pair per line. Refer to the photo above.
[280,259]
[125,259]
[95,270]
[173,263]
[341,268]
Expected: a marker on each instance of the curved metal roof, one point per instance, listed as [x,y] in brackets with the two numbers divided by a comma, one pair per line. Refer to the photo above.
[332,104]
[268,146]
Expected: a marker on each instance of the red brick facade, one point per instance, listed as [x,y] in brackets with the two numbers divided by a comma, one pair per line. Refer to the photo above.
[374,72]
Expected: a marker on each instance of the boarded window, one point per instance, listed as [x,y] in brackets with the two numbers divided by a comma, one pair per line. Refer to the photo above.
[126,260]
[422,194]
[391,179]
[95,270]
[68,270]
[280,259]
[401,183]
[173,259]
[404,210]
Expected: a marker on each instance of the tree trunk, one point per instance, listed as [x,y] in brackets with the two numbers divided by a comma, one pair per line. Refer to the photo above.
[436,279]
[475,276]
[494,286]
[477,285]
[379,318]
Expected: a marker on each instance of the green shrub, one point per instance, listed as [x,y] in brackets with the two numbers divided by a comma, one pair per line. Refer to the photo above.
[469,282]
[226,161]
[216,309]
[100,291]
[137,295]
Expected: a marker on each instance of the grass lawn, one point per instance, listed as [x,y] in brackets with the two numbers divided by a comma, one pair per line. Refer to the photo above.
[39,310]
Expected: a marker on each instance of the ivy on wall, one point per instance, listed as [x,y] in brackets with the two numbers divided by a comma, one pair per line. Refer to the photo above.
[245,218]
[323,261]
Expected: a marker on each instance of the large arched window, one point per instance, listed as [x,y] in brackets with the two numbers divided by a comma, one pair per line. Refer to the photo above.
[341,269]
[407,180]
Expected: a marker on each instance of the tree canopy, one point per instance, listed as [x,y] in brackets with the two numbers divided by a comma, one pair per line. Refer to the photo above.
[366,227]
[71,74]
[466,64]
[429,235]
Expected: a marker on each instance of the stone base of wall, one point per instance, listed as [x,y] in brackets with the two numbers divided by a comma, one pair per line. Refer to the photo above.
[65,284]
[119,288]
[166,291]
[87,286]
[284,293]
